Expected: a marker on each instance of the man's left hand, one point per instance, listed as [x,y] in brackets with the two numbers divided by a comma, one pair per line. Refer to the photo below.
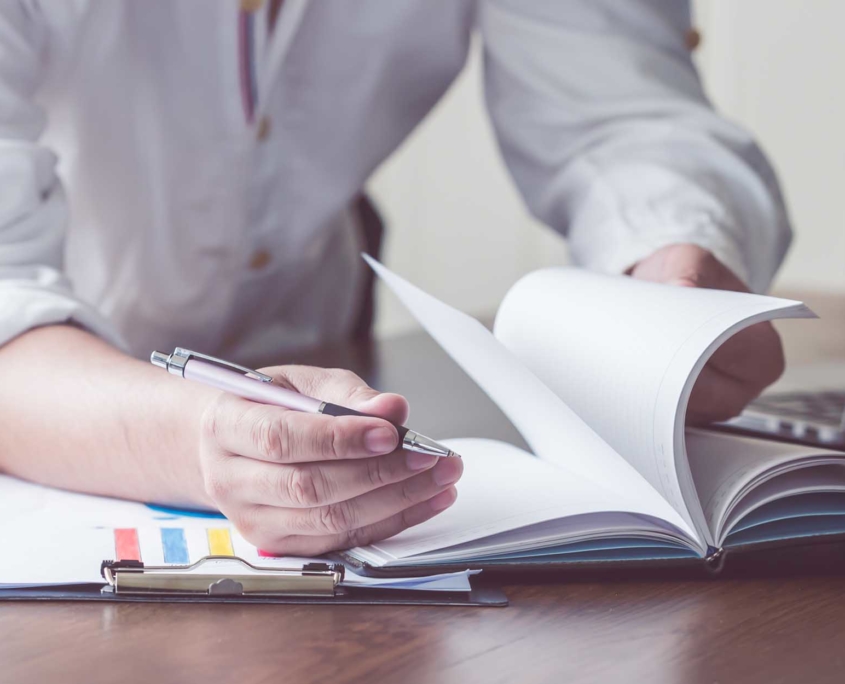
[743,366]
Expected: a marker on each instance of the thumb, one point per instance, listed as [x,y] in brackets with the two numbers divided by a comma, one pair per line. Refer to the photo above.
[392,407]
[342,387]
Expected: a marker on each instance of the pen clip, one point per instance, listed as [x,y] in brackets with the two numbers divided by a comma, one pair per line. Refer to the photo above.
[175,363]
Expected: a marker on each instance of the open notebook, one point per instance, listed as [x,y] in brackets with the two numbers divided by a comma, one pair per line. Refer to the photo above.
[595,372]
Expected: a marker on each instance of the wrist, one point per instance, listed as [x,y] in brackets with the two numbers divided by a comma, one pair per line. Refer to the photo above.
[175,413]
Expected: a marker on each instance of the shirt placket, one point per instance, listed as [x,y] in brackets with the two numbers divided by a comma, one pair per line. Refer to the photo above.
[248,36]
[260,56]
[252,44]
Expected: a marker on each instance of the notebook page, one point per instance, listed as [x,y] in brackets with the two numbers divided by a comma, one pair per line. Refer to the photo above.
[724,465]
[504,489]
[550,427]
[624,354]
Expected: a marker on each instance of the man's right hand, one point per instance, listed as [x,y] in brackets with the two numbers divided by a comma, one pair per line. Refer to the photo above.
[303,484]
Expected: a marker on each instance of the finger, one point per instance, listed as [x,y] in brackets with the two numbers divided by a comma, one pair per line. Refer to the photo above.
[717,397]
[754,355]
[367,509]
[277,435]
[309,485]
[687,265]
[341,387]
[305,545]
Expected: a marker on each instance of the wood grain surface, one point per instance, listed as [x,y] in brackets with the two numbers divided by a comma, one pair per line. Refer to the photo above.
[778,618]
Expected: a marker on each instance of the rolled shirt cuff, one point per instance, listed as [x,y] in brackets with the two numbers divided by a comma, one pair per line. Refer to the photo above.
[24,306]
[615,247]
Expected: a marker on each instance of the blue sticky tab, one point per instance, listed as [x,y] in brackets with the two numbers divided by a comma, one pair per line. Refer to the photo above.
[175,546]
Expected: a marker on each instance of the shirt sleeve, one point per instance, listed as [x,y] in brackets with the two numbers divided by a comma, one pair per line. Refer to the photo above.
[34,290]
[604,125]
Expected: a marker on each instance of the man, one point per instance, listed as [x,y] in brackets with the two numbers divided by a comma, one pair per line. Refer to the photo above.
[212,155]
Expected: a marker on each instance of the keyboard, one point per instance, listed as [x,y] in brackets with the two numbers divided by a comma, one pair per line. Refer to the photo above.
[815,418]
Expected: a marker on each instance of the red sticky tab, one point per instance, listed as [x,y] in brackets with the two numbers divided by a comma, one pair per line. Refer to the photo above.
[126,546]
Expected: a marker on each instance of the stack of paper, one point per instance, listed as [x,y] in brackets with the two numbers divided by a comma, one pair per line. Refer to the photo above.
[52,537]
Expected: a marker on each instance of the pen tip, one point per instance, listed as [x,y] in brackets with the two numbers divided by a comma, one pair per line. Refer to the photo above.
[453,454]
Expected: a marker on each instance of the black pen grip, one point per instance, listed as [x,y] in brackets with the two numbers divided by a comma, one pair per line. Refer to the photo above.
[335,410]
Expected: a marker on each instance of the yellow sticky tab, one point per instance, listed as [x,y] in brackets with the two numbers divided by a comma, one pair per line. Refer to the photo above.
[220,542]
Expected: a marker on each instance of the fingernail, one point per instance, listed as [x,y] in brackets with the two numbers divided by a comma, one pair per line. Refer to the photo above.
[380,440]
[417,461]
[448,471]
[443,500]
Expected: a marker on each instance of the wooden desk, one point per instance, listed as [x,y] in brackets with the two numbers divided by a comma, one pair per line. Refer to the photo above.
[775,623]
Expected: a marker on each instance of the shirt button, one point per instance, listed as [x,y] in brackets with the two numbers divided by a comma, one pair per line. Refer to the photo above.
[692,39]
[264,128]
[251,5]
[260,260]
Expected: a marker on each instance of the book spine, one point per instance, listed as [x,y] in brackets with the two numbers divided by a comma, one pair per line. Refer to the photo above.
[715,559]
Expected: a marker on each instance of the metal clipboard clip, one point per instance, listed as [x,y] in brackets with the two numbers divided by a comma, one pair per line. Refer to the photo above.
[221,576]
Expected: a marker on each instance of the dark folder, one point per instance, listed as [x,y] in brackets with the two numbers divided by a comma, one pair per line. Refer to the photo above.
[228,579]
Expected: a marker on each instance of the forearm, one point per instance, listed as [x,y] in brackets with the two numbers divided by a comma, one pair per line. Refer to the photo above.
[78,414]
[626,155]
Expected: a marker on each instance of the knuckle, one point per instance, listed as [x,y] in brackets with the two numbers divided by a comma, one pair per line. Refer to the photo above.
[344,375]
[376,472]
[302,376]
[407,496]
[246,520]
[336,518]
[407,519]
[356,537]
[279,375]
[210,423]
[332,440]
[312,380]
[360,392]
[255,528]
[271,438]
[216,486]
[353,385]
[305,487]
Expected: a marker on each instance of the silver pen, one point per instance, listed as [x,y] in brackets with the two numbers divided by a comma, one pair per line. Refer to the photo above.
[258,387]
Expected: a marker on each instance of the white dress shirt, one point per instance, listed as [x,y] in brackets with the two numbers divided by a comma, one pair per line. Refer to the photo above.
[144,196]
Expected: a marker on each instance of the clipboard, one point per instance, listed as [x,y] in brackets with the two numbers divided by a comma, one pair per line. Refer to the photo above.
[229,579]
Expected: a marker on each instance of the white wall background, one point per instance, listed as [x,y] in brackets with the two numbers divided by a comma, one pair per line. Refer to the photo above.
[459,229]
[777,67]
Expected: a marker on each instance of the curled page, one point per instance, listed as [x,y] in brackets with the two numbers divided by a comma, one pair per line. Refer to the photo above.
[624,355]
[553,431]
